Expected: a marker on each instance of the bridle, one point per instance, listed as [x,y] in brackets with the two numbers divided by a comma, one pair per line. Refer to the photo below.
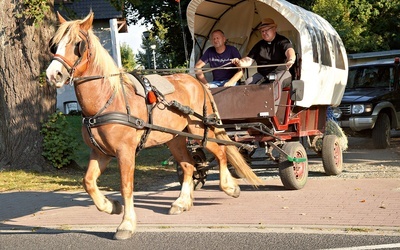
[81,64]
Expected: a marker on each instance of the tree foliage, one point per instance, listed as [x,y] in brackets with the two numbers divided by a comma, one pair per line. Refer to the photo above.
[164,59]
[306,4]
[127,57]
[364,25]
[169,29]
[58,145]
[35,9]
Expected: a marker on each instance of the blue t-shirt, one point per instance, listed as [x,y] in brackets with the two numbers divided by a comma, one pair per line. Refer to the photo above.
[217,60]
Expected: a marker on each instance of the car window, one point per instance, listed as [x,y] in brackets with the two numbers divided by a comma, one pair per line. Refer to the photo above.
[377,76]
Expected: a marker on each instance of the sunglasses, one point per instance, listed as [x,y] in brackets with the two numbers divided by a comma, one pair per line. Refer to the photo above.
[266,30]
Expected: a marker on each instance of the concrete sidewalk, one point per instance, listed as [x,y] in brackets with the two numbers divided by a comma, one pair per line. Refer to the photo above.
[322,203]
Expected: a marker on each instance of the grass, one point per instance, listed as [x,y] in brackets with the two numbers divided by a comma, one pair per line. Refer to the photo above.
[358,230]
[149,170]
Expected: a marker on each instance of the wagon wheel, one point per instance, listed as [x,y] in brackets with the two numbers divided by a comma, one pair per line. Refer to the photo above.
[332,156]
[200,173]
[233,172]
[317,144]
[293,173]
[247,154]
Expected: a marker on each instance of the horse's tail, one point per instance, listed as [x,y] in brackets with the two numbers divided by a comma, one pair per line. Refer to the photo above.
[237,160]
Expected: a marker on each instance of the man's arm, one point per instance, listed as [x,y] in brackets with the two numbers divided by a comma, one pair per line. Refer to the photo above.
[291,57]
[244,62]
[236,77]
[199,73]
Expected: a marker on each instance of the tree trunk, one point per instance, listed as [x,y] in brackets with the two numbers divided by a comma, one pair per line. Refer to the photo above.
[24,102]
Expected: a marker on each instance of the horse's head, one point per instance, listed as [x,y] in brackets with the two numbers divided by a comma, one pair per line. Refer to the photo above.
[70,47]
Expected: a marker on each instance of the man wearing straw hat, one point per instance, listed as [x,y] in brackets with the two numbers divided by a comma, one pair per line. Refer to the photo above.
[219,56]
[271,50]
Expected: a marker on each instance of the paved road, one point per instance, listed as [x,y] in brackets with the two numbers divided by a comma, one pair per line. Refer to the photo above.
[333,205]
[207,240]
[325,214]
[330,203]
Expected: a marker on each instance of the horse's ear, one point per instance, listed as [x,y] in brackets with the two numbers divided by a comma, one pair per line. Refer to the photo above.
[86,23]
[60,18]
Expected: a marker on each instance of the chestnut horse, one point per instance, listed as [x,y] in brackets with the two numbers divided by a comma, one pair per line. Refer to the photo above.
[103,89]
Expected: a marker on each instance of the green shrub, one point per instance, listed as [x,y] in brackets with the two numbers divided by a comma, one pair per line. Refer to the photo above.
[58,144]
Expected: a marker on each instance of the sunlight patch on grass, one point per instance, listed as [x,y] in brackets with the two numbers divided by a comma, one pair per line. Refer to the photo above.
[148,171]
[20,180]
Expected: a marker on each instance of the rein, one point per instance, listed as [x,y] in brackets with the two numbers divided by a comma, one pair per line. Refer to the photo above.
[123,118]
[83,79]
[206,70]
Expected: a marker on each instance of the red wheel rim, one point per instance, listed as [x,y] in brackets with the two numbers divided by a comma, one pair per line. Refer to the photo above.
[299,167]
[337,156]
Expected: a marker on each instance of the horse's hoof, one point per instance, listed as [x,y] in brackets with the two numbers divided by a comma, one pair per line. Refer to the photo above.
[117,207]
[123,235]
[236,192]
[176,210]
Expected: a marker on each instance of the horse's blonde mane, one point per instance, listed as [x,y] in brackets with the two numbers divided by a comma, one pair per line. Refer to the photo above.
[101,61]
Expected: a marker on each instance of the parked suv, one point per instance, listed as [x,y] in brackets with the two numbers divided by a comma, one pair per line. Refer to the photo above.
[371,102]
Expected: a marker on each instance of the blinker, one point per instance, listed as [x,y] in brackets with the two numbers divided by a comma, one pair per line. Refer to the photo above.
[52,46]
[80,48]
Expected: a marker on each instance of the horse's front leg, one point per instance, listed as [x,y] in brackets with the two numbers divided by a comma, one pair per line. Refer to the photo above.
[97,164]
[126,162]
[178,148]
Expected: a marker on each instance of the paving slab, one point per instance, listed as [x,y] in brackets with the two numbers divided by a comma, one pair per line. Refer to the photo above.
[332,203]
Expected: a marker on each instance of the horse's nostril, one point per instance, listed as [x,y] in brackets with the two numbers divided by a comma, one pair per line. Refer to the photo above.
[59,76]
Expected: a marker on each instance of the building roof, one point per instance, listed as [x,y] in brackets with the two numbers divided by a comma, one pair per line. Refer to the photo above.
[379,54]
[102,9]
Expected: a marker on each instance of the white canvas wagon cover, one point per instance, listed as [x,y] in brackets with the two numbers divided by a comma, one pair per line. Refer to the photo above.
[324,65]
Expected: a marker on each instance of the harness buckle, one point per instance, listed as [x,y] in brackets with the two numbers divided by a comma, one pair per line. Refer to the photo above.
[139,123]
[90,122]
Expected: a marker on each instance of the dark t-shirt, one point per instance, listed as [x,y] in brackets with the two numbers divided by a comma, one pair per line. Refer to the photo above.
[217,60]
[265,53]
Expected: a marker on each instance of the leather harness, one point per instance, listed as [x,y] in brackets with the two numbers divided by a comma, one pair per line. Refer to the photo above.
[127,119]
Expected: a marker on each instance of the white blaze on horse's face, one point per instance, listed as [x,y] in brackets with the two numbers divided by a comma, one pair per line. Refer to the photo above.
[56,73]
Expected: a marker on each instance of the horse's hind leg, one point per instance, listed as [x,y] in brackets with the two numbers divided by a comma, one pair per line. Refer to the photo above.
[178,148]
[97,164]
[227,182]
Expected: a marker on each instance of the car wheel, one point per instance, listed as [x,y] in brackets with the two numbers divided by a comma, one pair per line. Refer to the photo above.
[381,132]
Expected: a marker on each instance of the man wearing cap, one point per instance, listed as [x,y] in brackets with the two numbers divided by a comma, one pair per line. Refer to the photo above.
[219,56]
[272,49]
